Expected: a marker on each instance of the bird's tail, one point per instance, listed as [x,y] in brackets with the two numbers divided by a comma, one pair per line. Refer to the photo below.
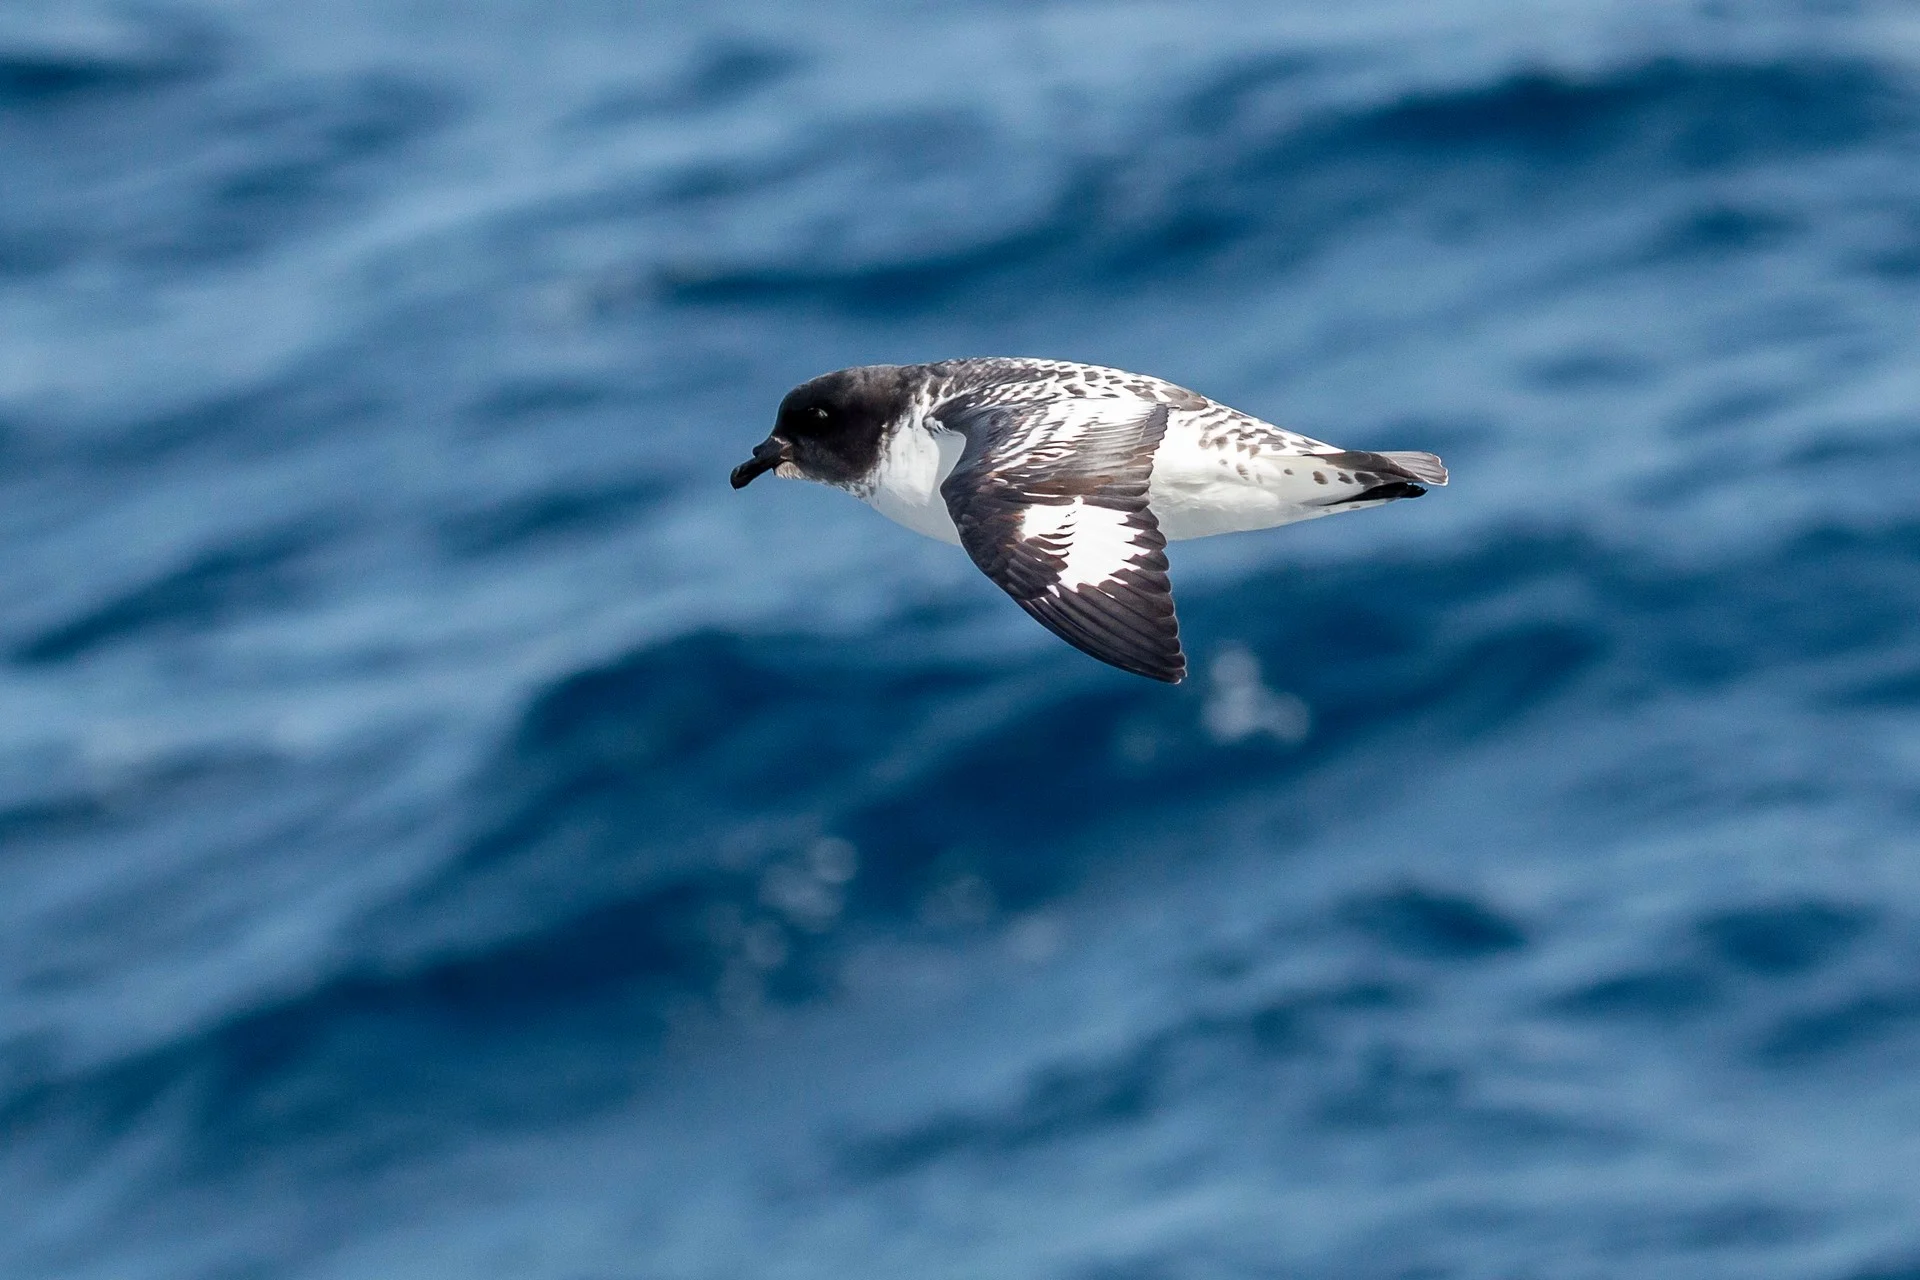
[1423,467]
[1386,476]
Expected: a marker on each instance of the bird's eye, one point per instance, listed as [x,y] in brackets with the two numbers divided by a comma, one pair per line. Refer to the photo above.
[818,412]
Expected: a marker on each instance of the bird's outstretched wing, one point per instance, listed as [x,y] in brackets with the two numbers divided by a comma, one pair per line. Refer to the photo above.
[1050,498]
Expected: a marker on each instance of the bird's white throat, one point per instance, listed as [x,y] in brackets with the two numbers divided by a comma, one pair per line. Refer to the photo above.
[905,486]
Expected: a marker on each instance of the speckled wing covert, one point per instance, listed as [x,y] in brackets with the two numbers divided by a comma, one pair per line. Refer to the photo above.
[1050,498]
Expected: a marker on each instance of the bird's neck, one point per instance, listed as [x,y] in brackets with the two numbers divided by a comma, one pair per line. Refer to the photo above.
[905,484]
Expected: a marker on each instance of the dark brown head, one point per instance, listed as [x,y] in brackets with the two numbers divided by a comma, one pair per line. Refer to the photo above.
[833,428]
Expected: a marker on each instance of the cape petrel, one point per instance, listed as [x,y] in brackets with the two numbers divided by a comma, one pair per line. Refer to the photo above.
[1065,482]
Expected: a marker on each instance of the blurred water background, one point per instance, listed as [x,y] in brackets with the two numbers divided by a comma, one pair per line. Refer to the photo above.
[445,833]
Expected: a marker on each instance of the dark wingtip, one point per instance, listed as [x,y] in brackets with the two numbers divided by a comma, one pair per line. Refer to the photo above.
[1164,674]
[1167,670]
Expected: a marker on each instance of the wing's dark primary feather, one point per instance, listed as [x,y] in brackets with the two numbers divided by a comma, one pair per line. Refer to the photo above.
[1050,498]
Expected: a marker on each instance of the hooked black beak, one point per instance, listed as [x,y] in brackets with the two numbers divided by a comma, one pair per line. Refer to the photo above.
[767,455]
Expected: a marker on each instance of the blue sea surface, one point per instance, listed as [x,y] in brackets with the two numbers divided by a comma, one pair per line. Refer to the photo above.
[445,832]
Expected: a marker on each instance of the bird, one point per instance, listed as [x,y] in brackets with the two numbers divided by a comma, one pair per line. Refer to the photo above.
[1064,482]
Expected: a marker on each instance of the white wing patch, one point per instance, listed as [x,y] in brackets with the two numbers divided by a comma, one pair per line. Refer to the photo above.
[1093,543]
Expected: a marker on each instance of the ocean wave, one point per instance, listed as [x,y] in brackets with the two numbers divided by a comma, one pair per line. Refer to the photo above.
[1217,179]
[635,832]
[60,62]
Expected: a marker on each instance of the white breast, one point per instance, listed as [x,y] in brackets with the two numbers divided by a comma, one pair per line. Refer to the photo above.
[906,486]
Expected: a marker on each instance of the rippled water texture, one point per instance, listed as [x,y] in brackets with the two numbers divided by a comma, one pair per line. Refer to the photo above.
[445,832]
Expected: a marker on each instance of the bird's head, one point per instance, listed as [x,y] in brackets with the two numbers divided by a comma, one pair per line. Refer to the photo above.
[830,429]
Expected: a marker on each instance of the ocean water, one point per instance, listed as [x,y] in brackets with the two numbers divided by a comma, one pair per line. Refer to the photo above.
[445,832]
